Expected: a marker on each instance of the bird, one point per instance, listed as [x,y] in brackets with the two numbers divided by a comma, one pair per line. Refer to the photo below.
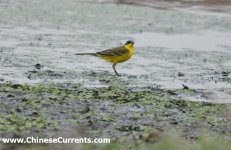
[115,55]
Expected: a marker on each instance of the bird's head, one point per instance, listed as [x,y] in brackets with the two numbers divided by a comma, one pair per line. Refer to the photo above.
[129,44]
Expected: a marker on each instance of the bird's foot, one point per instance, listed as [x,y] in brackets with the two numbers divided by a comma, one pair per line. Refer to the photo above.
[117,74]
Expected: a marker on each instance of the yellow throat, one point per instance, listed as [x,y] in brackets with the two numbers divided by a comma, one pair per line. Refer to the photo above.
[129,47]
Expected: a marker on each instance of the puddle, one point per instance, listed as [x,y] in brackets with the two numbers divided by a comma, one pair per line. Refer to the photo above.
[173,47]
[195,41]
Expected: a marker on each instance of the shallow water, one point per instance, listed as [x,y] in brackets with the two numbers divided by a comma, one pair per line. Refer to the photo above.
[201,41]
[173,47]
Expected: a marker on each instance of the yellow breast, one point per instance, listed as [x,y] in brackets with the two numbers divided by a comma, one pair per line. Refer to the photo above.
[129,54]
[120,58]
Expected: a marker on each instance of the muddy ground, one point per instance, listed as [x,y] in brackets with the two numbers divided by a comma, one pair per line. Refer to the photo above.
[177,81]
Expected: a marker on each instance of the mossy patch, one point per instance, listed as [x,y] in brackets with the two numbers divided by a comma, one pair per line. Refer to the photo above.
[108,110]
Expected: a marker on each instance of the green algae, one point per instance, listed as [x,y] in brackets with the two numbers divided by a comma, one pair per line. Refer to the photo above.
[29,107]
[12,123]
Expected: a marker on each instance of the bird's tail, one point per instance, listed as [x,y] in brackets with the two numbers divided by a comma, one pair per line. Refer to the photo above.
[92,54]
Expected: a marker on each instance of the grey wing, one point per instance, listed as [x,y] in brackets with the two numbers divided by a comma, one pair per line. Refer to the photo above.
[113,52]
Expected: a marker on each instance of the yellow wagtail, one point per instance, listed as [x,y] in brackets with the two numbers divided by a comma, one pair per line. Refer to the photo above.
[115,55]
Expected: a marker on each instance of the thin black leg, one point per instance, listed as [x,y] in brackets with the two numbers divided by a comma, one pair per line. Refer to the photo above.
[113,66]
